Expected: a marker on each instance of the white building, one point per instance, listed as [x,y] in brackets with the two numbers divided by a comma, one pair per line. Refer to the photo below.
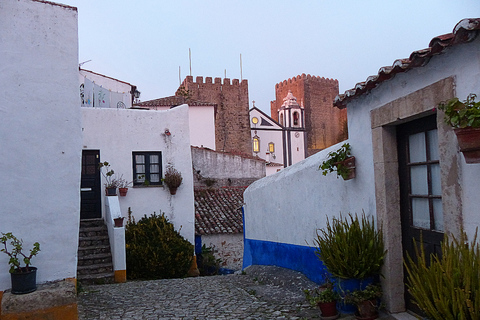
[279,144]
[394,107]
[40,130]
[201,118]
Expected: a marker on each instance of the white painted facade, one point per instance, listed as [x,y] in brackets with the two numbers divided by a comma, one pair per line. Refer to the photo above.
[119,132]
[40,125]
[227,247]
[271,216]
[202,125]
[113,93]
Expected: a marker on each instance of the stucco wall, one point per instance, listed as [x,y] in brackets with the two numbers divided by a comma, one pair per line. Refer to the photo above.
[227,247]
[119,132]
[226,169]
[282,211]
[40,144]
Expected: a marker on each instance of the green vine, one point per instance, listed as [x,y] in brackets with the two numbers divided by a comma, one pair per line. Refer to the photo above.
[462,114]
[334,159]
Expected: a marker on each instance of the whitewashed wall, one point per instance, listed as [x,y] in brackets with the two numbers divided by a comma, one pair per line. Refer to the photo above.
[227,247]
[40,140]
[282,211]
[119,132]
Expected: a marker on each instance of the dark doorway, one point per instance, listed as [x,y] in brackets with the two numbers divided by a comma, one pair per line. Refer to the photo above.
[420,189]
[90,185]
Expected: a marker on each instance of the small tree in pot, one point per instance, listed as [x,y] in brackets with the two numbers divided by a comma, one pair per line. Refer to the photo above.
[23,278]
[173,179]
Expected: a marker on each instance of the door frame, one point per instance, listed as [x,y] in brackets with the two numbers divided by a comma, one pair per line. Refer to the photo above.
[97,192]
[384,120]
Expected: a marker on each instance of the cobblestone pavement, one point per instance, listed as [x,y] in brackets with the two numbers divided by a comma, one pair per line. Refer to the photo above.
[263,293]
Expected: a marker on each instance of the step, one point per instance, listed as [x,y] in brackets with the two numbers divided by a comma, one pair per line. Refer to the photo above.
[90,250]
[98,278]
[91,223]
[95,268]
[95,259]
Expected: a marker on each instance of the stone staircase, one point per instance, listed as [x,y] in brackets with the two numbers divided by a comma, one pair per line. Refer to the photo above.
[94,255]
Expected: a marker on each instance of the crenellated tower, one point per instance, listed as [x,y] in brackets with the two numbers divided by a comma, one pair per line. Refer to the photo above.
[232,127]
[324,124]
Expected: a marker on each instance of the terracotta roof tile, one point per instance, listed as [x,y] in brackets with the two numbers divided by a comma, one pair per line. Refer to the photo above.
[172,101]
[465,31]
[218,210]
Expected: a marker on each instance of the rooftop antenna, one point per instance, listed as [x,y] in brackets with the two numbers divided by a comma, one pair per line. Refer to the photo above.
[241,71]
[190,58]
[81,64]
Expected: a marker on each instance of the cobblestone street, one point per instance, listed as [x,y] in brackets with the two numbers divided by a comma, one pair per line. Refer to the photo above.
[263,293]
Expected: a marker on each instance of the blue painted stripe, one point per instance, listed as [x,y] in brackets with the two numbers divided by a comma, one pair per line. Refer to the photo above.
[295,257]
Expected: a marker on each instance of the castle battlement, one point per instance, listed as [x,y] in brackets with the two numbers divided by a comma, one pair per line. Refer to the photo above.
[218,81]
[308,77]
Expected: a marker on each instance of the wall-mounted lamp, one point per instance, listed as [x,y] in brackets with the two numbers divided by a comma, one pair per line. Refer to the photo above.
[167,132]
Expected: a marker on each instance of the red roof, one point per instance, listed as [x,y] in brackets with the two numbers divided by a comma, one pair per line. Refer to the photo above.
[173,101]
[218,210]
[465,31]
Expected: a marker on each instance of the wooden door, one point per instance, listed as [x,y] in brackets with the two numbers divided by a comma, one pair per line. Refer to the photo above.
[420,189]
[91,206]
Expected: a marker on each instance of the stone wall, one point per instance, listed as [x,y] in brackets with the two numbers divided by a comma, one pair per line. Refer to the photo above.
[325,124]
[217,169]
[232,127]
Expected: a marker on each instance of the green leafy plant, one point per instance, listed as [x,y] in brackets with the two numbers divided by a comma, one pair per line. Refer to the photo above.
[107,173]
[351,247]
[334,159]
[173,178]
[155,250]
[15,253]
[462,114]
[447,287]
[321,295]
[371,292]
[208,264]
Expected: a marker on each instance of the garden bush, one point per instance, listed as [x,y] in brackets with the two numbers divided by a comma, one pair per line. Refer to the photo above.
[155,250]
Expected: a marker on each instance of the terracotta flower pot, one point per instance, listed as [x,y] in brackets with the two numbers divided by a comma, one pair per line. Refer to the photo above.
[123,191]
[367,310]
[173,190]
[348,163]
[118,222]
[469,143]
[328,309]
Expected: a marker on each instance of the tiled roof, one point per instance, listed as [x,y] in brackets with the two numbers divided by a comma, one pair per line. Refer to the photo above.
[465,31]
[218,210]
[172,101]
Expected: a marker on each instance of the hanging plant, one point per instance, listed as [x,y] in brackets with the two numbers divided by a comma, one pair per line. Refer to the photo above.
[173,179]
[340,161]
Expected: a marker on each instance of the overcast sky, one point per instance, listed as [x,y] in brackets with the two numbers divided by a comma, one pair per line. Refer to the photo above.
[145,42]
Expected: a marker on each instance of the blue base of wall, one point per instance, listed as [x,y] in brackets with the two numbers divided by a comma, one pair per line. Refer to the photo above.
[298,258]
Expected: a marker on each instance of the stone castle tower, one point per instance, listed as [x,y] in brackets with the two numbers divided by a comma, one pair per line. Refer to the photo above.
[324,124]
[232,122]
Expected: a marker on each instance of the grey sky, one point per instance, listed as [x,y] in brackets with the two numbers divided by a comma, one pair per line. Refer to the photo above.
[145,42]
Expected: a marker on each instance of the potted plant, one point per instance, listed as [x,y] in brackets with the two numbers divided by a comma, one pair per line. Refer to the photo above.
[340,161]
[173,179]
[464,117]
[110,182]
[24,279]
[118,222]
[123,185]
[366,301]
[352,250]
[325,298]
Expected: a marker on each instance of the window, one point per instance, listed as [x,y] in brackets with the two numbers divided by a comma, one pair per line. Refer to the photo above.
[147,168]
[281,119]
[271,147]
[295,118]
[256,144]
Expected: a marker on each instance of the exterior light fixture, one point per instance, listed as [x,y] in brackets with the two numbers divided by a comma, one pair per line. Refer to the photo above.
[167,132]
